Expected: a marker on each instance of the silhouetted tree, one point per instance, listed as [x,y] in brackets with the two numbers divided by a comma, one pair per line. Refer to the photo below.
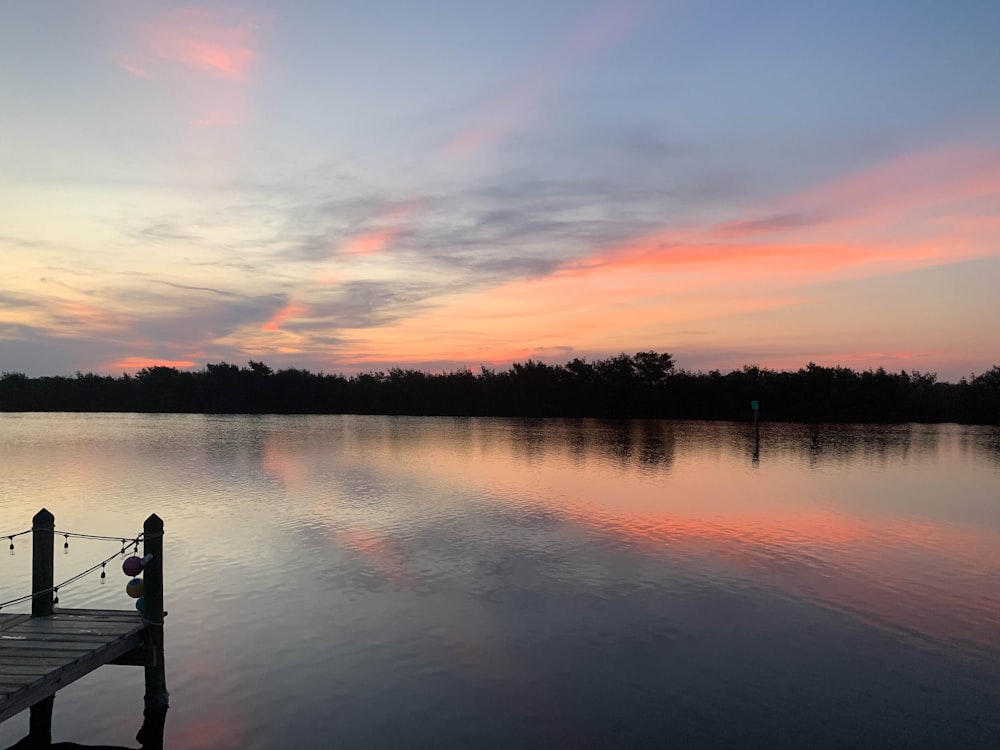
[646,384]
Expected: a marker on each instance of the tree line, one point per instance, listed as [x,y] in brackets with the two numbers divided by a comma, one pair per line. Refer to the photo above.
[646,384]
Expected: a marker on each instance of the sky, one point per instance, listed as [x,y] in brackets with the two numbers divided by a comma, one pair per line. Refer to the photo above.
[354,186]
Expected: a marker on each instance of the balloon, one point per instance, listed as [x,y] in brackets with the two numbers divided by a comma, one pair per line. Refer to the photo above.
[134,588]
[132,566]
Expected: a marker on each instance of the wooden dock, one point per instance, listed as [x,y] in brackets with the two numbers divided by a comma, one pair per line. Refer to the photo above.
[50,648]
[40,655]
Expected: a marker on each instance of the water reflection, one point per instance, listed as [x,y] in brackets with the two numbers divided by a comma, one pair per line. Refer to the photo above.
[39,736]
[853,559]
[530,583]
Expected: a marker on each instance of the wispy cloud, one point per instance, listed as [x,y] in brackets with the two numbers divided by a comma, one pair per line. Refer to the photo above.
[205,58]
[289,311]
[645,286]
[507,113]
[511,111]
[221,44]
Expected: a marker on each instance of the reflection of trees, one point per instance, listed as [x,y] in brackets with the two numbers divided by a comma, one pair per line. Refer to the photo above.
[982,441]
[645,443]
[833,443]
[645,384]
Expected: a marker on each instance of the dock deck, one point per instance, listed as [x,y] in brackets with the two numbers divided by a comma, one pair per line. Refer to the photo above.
[40,655]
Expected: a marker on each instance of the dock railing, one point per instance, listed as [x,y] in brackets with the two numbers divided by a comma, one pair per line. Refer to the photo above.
[56,646]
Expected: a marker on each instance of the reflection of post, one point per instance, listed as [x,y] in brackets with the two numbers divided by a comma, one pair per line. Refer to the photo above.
[40,723]
[755,405]
[152,610]
[150,735]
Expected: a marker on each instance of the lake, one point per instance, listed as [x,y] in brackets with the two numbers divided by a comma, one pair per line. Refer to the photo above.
[387,582]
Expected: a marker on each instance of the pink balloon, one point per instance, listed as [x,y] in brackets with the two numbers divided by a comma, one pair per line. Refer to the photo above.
[132,566]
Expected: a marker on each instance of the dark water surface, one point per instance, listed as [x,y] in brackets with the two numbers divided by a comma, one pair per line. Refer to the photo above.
[408,582]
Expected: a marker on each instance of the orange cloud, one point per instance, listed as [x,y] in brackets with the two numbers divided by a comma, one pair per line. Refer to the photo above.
[371,242]
[89,318]
[911,213]
[287,312]
[138,363]
[392,223]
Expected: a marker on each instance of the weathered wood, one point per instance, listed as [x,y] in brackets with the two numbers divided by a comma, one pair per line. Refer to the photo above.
[50,648]
[156,696]
[42,527]
[9,620]
[12,669]
[53,661]
[33,666]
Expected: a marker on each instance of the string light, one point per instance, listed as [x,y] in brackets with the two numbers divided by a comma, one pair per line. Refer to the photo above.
[127,545]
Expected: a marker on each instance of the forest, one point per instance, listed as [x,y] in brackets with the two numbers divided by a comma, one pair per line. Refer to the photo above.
[644,385]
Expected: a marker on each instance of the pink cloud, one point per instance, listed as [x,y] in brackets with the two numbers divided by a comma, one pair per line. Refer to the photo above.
[910,212]
[286,313]
[204,58]
[220,44]
[138,363]
[393,221]
[943,176]
[371,242]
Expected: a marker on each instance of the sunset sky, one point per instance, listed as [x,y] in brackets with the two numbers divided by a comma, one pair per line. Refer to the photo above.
[352,186]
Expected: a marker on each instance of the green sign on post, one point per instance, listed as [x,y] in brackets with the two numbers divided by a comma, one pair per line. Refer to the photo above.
[755,405]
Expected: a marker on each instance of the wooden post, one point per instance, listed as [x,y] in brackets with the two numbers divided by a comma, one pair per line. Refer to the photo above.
[152,610]
[42,527]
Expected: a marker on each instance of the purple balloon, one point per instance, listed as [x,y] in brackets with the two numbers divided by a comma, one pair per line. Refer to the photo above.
[132,566]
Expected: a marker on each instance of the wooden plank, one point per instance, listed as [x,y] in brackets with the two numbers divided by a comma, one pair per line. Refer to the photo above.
[80,626]
[60,650]
[26,670]
[68,631]
[40,655]
[48,685]
[62,640]
[8,620]
[64,637]
[66,654]
[51,662]
[12,686]
[55,639]
[96,616]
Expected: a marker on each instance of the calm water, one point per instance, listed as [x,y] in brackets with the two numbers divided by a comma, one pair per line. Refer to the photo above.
[402,582]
